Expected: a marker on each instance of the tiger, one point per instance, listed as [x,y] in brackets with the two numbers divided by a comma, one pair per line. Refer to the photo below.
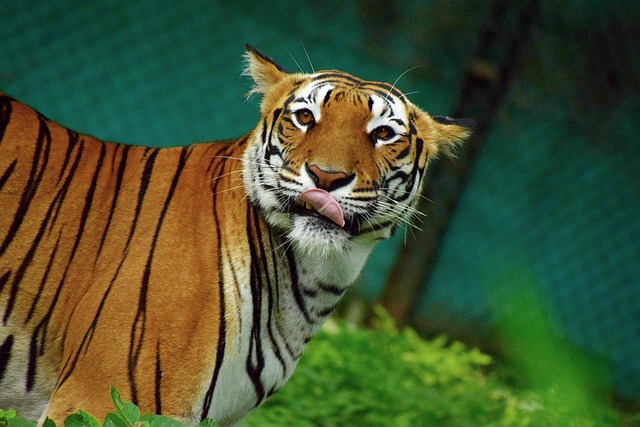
[191,278]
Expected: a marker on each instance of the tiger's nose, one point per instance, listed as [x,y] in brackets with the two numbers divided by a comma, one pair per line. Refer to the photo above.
[327,179]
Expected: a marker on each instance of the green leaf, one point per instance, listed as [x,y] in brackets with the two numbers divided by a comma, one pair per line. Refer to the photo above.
[128,413]
[207,422]
[8,414]
[49,423]
[160,421]
[5,416]
[81,419]
[19,421]
[113,420]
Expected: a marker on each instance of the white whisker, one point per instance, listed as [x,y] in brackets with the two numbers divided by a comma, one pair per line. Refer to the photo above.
[313,70]
[239,203]
[243,160]
[412,93]
[296,62]
[225,174]
[237,187]
[399,206]
[399,77]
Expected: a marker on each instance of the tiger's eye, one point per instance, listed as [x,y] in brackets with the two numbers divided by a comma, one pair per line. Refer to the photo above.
[305,117]
[383,133]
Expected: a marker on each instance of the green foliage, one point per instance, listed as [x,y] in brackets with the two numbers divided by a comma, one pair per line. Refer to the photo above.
[81,419]
[572,386]
[389,377]
[5,416]
[126,414]
[10,418]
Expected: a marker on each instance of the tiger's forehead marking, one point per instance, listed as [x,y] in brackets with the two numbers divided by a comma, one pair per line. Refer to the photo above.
[385,102]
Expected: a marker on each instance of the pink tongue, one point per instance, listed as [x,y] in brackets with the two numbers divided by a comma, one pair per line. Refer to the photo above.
[324,203]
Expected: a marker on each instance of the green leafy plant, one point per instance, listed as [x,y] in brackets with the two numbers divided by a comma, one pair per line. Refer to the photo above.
[126,414]
[5,416]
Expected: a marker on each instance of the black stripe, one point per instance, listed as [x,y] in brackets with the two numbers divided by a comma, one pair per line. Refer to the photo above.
[5,115]
[404,153]
[416,171]
[332,289]
[327,96]
[4,279]
[308,292]
[270,148]
[271,391]
[158,380]
[325,311]
[290,99]
[272,293]
[384,89]
[35,176]
[7,173]
[263,132]
[5,355]
[295,285]
[398,194]
[274,264]
[141,314]
[114,200]
[45,134]
[31,366]
[288,180]
[255,367]
[285,119]
[34,303]
[274,301]
[88,201]
[72,141]
[333,76]
[223,322]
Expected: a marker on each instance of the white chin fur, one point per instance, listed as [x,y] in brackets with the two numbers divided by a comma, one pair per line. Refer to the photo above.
[313,236]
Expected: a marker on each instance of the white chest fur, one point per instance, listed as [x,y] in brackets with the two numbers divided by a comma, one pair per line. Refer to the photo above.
[271,322]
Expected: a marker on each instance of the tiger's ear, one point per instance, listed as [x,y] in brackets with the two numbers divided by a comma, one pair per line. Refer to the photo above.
[264,71]
[446,133]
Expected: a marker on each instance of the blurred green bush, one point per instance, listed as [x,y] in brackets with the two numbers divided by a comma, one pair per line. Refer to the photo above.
[387,377]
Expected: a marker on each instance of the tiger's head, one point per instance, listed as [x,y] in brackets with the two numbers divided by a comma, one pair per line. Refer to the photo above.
[336,160]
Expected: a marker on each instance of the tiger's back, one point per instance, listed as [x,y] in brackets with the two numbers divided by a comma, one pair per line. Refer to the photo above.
[81,238]
[192,278]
